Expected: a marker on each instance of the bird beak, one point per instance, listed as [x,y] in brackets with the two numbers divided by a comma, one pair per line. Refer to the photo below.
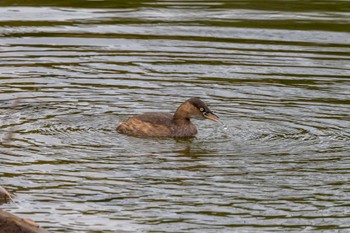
[211,116]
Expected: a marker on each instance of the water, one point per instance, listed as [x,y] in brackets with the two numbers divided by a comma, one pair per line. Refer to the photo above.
[277,73]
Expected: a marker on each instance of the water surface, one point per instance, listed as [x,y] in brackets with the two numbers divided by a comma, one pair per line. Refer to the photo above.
[277,73]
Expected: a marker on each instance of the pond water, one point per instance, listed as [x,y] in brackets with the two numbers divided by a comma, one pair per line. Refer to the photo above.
[276,72]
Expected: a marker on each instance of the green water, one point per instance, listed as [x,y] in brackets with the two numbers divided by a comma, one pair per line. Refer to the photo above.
[276,72]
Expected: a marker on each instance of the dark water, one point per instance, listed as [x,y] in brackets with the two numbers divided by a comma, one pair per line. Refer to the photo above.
[276,72]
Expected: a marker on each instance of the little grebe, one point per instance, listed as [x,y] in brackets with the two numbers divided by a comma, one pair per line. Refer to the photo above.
[162,124]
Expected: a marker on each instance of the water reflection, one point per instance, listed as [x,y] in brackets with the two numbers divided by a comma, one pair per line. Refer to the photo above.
[277,74]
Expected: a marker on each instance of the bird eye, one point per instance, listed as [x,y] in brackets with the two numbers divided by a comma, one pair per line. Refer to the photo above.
[201,109]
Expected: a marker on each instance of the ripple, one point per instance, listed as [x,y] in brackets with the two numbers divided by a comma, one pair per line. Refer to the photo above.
[276,74]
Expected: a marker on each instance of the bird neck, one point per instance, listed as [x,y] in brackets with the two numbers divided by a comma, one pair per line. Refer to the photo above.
[182,113]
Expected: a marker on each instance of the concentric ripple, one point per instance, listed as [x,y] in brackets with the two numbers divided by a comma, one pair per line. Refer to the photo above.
[276,74]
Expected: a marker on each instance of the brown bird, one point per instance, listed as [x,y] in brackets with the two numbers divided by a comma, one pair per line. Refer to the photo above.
[162,124]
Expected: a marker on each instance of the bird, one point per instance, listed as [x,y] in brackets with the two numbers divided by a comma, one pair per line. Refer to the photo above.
[168,125]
